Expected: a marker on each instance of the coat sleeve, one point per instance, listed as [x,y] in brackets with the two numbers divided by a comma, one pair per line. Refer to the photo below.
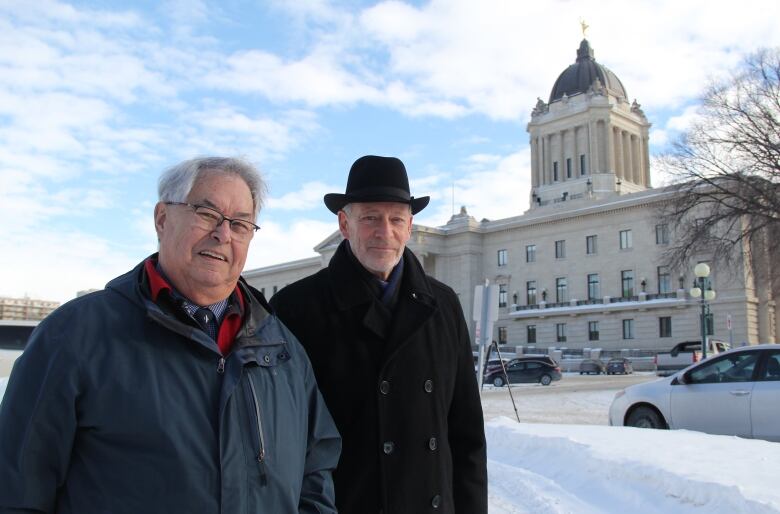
[467,428]
[37,424]
[323,449]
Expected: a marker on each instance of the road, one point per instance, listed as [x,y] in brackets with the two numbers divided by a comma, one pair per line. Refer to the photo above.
[575,399]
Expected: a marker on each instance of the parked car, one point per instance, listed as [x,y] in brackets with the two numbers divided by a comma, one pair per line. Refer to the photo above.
[684,354]
[589,366]
[733,393]
[619,365]
[495,364]
[525,370]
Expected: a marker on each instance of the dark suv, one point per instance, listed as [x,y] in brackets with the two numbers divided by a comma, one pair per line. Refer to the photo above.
[619,365]
[525,370]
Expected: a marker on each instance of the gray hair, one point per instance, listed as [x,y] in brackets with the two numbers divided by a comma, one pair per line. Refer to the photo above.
[177,181]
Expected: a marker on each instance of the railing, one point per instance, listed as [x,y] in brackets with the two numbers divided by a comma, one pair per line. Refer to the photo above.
[593,301]
[661,295]
[618,299]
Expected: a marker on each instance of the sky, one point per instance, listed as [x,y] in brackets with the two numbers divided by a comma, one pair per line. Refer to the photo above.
[98,97]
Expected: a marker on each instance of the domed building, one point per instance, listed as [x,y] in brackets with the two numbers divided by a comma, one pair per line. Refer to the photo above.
[583,267]
[588,141]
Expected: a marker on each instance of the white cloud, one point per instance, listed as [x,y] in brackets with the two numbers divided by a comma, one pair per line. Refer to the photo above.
[309,196]
[498,189]
[55,266]
[291,240]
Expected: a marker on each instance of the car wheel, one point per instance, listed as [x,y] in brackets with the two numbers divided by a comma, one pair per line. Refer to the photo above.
[498,381]
[545,380]
[645,417]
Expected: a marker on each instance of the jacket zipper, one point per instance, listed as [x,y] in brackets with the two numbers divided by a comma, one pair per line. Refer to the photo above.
[260,436]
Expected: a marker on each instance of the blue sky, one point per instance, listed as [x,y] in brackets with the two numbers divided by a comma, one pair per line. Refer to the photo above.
[98,97]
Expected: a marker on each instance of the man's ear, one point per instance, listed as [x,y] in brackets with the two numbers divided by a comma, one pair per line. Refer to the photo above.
[160,217]
[343,221]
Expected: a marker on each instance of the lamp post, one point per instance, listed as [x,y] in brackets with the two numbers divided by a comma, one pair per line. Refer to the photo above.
[702,271]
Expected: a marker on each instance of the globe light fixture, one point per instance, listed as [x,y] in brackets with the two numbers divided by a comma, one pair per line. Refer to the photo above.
[702,272]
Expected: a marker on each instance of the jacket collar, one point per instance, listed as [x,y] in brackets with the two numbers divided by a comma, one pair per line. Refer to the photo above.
[349,288]
[134,286]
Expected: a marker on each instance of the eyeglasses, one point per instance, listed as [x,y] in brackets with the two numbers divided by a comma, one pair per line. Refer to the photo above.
[210,219]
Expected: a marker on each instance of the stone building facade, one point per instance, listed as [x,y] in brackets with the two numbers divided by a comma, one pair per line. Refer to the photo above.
[583,266]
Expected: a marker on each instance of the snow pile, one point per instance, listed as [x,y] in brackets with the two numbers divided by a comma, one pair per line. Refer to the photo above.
[540,468]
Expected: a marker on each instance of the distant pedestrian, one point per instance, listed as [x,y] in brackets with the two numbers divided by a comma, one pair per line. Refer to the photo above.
[175,389]
[392,356]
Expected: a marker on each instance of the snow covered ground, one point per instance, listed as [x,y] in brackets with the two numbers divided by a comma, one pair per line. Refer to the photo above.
[564,459]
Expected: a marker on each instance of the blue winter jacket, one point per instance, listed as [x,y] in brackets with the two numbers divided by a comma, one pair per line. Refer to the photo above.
[120,406]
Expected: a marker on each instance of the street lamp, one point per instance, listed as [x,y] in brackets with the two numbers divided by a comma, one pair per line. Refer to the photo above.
[702,271]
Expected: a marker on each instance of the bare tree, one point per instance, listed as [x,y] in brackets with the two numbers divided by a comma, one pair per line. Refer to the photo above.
[726,169]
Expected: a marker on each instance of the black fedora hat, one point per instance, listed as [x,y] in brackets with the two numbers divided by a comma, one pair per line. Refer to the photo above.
[376,179]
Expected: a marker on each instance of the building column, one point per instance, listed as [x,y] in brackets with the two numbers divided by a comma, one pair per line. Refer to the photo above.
[609,149]
[635,159]
[534,164]
[620,171]
[561,158]
[628,171]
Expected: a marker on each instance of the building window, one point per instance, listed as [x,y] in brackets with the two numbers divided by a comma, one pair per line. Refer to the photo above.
[590,245]
[502,295]
[561,291]
[582,164]
[530,253]
[594,291]
[628,329]
[560,249]
[502,257]
[560,332]
[262,291]
[568,167]
[530,292]
[627,282]
[626,240]
[276,288]
[662,234]
[502,335]
[664,280]
[665,326]
[530,334]
[593,330]
[555,171]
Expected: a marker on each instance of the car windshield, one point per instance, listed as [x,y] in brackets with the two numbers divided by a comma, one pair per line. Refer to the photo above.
[731,368]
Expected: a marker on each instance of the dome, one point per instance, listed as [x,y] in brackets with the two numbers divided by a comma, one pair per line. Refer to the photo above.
[581,75]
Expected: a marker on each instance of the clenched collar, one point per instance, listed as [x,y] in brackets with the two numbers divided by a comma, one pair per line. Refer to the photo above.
[349,288]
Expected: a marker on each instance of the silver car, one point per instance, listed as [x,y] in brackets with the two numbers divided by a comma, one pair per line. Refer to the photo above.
[733,393]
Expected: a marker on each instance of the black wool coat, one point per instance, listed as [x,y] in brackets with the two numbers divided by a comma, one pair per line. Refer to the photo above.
[400,386]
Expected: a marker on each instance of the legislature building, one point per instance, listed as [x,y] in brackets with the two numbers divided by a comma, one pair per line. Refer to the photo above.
[583,267]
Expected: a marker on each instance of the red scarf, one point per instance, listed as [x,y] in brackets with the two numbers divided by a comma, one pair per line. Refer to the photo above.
[231,323]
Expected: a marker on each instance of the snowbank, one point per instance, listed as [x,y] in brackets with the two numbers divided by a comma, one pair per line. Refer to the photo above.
[540,468]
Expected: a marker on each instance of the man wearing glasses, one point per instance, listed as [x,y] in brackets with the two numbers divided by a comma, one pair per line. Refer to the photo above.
[175,389]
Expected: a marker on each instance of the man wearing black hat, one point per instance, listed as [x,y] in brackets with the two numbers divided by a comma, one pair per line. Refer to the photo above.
[391,354]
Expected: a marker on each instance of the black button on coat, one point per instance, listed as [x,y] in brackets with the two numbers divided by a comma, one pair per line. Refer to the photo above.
[424,354]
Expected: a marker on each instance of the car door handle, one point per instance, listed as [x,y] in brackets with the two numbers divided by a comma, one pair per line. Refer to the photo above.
[740,392]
